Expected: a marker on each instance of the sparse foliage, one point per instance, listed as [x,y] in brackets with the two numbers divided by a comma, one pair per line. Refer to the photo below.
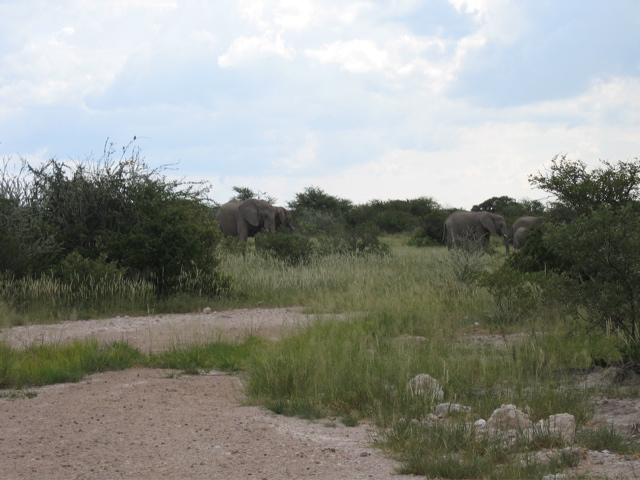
[245,193]
[582,190]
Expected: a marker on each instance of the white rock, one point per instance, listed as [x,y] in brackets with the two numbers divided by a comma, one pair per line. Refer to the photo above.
[206,311]
[508,417]
[424,384]
[563,424]
[444,409]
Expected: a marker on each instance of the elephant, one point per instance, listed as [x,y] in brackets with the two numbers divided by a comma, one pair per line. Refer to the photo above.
[524,223]
[520,238]
[245,219]
[283,217]
[527,222]
[475,225]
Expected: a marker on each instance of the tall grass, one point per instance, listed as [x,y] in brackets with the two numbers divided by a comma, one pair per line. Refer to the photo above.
[408,280]
[365,365]
[48,298]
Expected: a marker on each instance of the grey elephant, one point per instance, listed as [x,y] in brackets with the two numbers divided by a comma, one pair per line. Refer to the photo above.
[520,238]
[284,217]
[477,226]
[245,219]
[527,221]
[521,227]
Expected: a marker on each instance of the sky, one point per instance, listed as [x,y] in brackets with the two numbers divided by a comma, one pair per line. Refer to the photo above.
[457,100]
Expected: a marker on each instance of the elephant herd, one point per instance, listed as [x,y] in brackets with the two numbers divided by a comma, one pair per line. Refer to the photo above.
[478,227]
[243,219]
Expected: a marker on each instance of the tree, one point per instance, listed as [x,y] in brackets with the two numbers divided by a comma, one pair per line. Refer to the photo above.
[496,205]
[245,193]
[595,254]
[581,190]
[509,208]
[314,198]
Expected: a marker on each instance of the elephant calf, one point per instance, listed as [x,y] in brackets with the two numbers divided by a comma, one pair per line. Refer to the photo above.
[520,238]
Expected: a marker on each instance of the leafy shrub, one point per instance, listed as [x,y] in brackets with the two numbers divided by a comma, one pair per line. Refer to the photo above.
[231,245]
[364,239]
[430,230]
[516,294]
[313,223]
[291,249]
[104,212]
[314,198]
[603,251]
[331,234]
[74,269]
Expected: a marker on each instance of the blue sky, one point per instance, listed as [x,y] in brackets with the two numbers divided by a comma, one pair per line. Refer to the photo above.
[456,100]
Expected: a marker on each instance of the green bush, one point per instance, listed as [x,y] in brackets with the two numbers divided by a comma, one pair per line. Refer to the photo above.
[317,223]
[75,270]
[314,198]
[291,249]
[603,251]
[108,214]
[364,239]
[515,294]
[430,230]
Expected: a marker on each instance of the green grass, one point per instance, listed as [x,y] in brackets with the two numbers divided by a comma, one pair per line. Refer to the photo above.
[410,279]
[357,369]
[197,358]
[57,363]
[48,364]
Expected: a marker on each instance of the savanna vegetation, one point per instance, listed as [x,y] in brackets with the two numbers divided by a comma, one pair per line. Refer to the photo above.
[114,237]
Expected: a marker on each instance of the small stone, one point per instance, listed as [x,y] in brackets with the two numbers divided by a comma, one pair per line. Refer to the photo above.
[206,311]
[444,409]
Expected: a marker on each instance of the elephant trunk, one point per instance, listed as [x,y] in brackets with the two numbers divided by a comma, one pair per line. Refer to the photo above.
[506,241]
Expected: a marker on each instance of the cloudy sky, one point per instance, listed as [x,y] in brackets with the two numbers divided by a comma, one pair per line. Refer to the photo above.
[459,100]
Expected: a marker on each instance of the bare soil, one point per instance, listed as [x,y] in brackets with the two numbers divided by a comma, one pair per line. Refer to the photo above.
[153,424]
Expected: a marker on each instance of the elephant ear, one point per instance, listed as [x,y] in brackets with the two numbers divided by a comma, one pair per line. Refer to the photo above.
[489,224]
[249,212]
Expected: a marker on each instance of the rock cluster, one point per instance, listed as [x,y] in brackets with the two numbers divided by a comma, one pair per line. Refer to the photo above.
[507,421]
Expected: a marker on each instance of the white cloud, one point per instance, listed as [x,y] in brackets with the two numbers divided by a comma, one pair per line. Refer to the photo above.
[301,159]
[612,101]
[245,49]
[279,14]
[356,56]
